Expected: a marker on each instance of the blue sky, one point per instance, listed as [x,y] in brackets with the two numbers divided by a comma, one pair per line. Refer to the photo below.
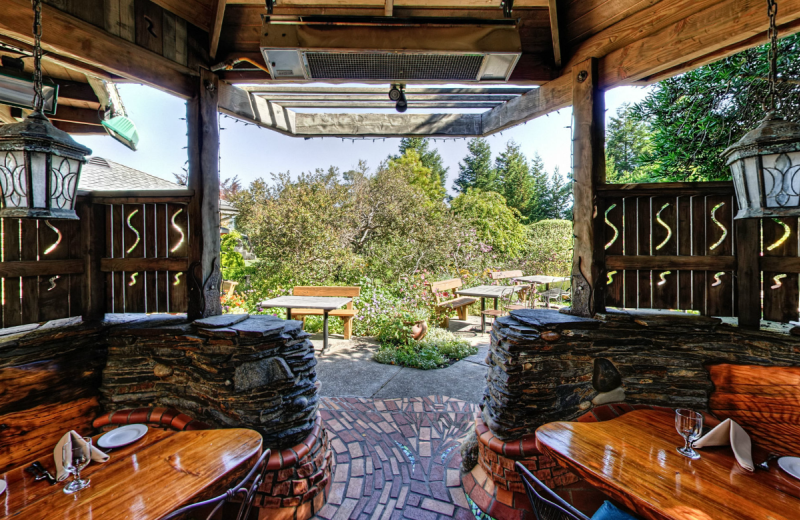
[251,152]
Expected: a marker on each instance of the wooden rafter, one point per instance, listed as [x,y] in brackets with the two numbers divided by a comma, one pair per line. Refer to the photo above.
[200,13]
[216,28]
[452,4]
[80,41]
[555,32]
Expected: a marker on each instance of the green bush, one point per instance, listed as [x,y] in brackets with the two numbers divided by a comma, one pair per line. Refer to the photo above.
[436,349]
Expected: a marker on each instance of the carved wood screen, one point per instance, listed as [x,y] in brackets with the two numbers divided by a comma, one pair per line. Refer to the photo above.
[41,270]
[146,257]
[673,246]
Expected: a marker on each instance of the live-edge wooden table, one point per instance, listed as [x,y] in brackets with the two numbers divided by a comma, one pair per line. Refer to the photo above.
[146,480]
[326,303]
[633,459]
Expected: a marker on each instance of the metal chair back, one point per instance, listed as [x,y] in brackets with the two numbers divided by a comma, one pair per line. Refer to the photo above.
[545,503]
[247,487]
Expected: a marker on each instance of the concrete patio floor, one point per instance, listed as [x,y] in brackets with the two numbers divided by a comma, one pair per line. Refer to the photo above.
[348,370]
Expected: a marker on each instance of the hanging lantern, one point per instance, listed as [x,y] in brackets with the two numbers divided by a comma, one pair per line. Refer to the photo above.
[40,165]
[765,163]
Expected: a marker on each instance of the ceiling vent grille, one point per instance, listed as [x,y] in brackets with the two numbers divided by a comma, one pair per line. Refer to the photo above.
[394,66]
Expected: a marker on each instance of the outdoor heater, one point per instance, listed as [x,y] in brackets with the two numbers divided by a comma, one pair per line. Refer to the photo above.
[765,163]
[39,164]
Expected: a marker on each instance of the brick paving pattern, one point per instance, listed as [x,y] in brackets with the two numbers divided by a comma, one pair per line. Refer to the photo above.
[396,458]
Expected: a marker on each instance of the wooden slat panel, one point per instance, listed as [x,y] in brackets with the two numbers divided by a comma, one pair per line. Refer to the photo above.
[698,205]
[132,265]
[149,238]
[631,245]
[73,231]
[53,288]
[671,262]
[719,242]
[41,268]
[684,239]
[177,230]
[177,282]
[643,248]
[781,294]
[162,249]
[614,213]
[30,284]
[134,249]
[117,248]
[12,310]
[664,223]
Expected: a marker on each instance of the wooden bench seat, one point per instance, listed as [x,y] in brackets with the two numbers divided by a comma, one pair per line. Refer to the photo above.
[346,315]
[445,308]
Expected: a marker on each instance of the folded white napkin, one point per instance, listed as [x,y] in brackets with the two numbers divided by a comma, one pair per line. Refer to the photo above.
[72,437]
[729,432]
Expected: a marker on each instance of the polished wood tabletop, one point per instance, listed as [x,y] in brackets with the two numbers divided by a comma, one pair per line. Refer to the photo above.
[145,480]
[633,459]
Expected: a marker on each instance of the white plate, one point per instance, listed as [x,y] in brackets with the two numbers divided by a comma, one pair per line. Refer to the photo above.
[3,486]
[122,436]
[790,465]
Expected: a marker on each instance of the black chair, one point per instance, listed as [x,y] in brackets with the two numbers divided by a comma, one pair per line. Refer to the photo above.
[248,486]
[546,504]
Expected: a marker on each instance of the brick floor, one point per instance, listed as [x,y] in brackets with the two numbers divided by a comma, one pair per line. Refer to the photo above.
[396,458]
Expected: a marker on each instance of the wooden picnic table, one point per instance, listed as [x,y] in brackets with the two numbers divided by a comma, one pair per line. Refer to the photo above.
[634,459]
[488,291]
[146,480]
[326,303]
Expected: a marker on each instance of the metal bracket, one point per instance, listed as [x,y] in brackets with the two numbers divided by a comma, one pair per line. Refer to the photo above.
[507,5]
[270,4]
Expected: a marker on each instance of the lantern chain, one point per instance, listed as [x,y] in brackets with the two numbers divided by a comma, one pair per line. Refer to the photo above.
[38,97]
[772,35]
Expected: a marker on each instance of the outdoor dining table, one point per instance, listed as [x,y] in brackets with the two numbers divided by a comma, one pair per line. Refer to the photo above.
[326,303]
[633,459]
[146,480]
[488,291]
[539,279]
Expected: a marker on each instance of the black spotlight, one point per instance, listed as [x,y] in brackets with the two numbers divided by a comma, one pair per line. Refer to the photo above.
[402,104]
[395,93]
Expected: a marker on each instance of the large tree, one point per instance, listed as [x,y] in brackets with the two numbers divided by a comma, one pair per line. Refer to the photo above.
[476,171]
[628,143]
[698,114]
[514,173]
[430,158]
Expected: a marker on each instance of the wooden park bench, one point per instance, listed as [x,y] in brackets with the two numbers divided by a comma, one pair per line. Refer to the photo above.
[346,315]
[444,308]
[522,294]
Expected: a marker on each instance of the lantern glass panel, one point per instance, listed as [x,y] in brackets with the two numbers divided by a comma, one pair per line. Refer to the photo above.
[13,179]
[63,182]
[781,179]
[38,177]
[739,181]
[751,175]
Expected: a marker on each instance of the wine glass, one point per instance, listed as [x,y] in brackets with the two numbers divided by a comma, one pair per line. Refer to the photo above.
[75,458]
[690,425]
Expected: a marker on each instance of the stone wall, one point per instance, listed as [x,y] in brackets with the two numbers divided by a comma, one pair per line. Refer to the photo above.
[229,371]
[547,366]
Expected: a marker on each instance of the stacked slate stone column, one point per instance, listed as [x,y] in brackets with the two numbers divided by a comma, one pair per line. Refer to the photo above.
[547,366]
[233,371]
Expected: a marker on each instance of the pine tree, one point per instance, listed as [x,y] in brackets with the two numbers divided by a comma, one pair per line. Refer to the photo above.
[516,182]
[430,158]
[560,195]
[476,171]
[541,198]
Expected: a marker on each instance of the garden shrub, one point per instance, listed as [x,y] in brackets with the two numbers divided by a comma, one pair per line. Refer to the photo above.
[438,348]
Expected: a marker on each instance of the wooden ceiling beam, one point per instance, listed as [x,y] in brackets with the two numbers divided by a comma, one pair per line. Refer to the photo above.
[199,13]
[5,115]
[80,129]
[387,125]
[450,4]
[70,114]
[78,40]
[551,96]
[555,32]
[216,28]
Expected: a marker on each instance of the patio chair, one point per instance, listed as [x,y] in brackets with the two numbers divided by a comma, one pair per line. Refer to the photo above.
[556,294]
[504,305]
[247,487]
[545,503]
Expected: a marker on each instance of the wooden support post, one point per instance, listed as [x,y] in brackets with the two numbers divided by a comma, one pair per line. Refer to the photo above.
[748,274]
[93,248]
[204,257]
[588,131]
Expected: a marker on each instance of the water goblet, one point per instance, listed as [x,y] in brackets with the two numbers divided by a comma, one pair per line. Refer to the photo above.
[690,425]
[75,458]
